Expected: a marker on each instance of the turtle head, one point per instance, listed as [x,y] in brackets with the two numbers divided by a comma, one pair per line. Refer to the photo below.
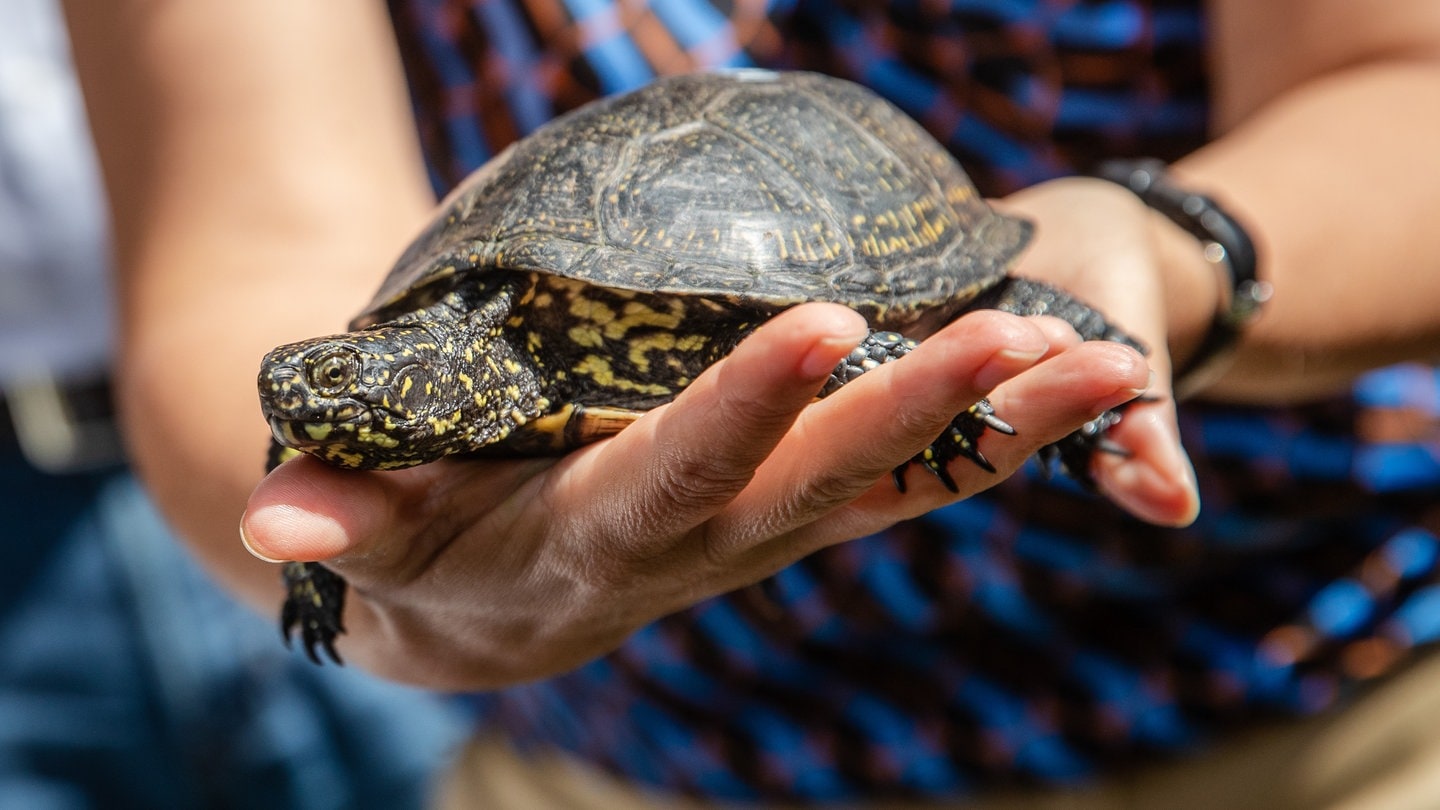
[386,397]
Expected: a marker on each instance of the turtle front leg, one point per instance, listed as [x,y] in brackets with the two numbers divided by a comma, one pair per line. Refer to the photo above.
[314,603]
[959,440]
[314,595]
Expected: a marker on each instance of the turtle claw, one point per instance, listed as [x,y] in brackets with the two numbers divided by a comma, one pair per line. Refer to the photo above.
[1072,455]
[314,602]
[960,440]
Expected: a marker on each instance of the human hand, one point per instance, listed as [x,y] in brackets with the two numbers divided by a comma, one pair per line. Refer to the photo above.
[1097,241]
[473,574]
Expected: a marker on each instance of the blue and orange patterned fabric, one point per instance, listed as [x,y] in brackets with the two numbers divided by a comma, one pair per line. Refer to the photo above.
[1020,90]
[1033,635]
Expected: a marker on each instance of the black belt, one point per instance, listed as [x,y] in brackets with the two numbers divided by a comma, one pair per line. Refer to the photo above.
[60,426]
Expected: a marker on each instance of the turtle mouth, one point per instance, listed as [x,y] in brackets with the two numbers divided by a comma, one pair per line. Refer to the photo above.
[359,443]
[301,434]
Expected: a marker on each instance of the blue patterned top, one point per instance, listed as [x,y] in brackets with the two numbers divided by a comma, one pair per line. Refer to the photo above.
[1033,635]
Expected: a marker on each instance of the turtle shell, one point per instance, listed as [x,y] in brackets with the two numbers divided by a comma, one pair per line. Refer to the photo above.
[752,185]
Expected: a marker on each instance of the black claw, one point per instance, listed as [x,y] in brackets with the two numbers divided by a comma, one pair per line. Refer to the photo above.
[327,644]
[980,461]
[1073,454]
[994,422]
[943,473]
[1104,445]
[958,441]
[314,604]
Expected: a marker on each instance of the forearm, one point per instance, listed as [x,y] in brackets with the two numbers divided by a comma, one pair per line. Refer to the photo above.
[187,383]
[262,175]
[1334,174]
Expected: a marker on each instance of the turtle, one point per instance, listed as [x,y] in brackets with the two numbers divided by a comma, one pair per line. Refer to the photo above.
[594,268]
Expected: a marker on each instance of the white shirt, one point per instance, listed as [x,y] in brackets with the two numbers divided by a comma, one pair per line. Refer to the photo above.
[55,297]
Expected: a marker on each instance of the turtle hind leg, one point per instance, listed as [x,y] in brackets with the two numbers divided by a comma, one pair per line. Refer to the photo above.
[314,603]
[959,440]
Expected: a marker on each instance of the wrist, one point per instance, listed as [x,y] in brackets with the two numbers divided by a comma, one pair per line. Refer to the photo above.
[1225,245]
[1192,296]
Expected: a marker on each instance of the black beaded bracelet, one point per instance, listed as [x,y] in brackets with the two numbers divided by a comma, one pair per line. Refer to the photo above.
[1226,245]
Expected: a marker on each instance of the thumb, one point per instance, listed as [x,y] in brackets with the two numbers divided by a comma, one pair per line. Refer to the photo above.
[308,511]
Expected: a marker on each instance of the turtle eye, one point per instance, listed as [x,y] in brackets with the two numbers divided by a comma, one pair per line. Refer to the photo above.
[334,371]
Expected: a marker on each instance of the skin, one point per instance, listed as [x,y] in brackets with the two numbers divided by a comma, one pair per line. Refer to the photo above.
[263,173]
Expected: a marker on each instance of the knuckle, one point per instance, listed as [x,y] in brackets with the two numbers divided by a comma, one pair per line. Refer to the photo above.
[602,571]
[597,563]
[694,481]
[917,422]
[830,491]
[776,538]
[742,416]
[718,549]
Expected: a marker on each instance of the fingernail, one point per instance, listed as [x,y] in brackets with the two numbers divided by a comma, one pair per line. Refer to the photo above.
[250,546]
[1153,495]
[1004,364]
[820,361]
[1123,395]
[1128,483]
[1132,393]
[1149,382]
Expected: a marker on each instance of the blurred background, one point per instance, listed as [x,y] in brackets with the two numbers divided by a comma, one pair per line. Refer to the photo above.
[127,678]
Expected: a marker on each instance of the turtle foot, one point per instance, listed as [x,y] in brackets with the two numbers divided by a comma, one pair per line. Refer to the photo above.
[314,602]
[960,440]
[1072,455]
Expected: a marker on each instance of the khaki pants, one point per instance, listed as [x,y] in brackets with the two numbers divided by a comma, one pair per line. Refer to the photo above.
[1382,753]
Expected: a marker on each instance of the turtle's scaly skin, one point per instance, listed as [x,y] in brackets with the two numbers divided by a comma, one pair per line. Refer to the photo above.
[594,269]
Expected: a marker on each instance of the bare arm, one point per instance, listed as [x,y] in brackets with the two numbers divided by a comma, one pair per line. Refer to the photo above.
[1325,118]
[263,174]
[1328,111]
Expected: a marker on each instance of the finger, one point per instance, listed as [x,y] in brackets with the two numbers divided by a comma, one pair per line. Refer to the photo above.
[679,465]
[362,522]
[307,510]
[1153,478]
[1057,331]
[1043,404]
[842,445]
[1154,481]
